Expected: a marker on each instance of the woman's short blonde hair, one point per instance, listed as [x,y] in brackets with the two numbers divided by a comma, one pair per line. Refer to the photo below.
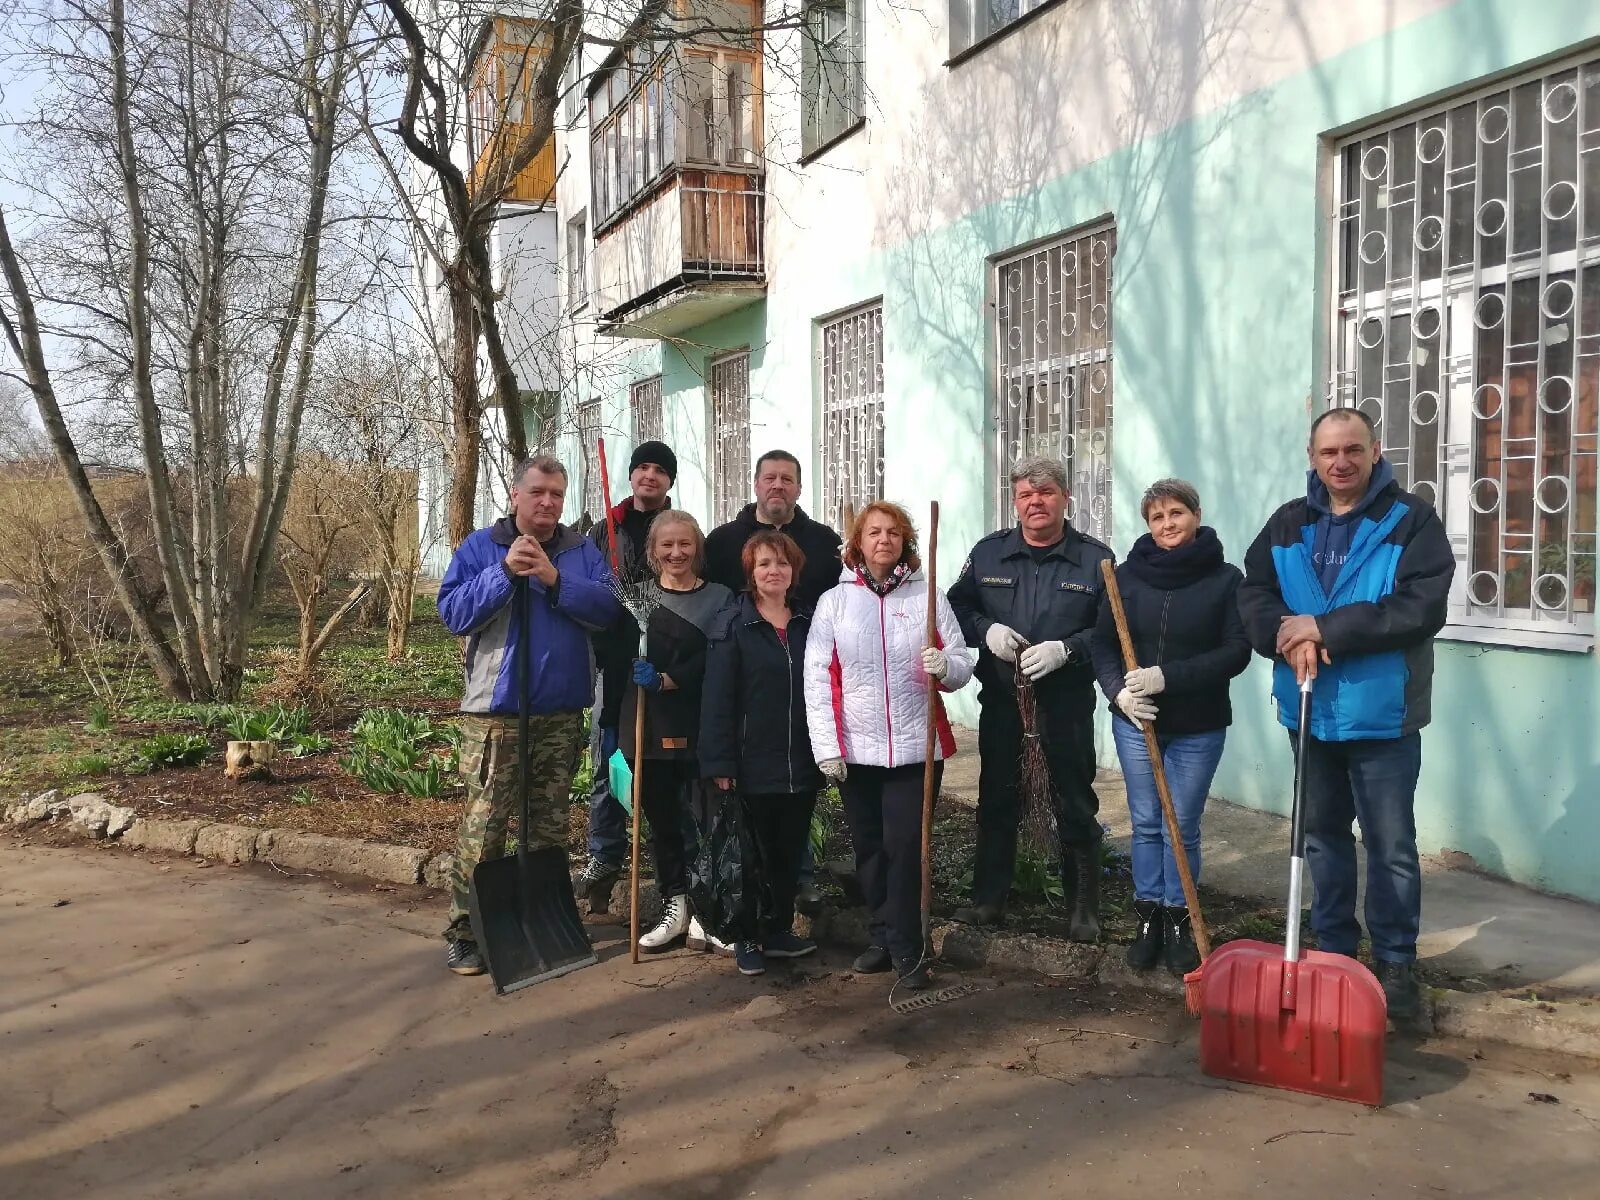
[675,516]
[853,557]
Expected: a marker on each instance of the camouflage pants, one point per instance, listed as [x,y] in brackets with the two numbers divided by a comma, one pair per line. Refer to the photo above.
[489,766]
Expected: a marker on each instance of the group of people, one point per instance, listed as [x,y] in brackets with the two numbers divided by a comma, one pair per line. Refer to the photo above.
[781,657]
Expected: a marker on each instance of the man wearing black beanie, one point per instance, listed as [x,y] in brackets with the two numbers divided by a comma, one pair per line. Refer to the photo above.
[652,469]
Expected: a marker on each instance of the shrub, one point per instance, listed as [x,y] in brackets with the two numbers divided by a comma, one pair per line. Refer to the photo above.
[173,750]
[274,723]
[391,752]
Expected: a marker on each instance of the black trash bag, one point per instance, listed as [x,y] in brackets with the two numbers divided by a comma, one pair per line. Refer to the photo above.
[727,883]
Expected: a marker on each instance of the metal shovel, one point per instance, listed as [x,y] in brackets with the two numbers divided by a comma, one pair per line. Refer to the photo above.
[524,913]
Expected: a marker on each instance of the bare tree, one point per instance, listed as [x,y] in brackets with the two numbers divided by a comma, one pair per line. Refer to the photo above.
[181,170]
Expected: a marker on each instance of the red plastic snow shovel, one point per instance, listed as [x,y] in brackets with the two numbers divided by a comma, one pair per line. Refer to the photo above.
[1305,1021]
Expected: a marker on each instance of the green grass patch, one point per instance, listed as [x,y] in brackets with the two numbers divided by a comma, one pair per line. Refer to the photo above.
[173,750]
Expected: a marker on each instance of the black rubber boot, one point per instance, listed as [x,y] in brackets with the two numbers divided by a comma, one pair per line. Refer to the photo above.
[1182,954]
[1145,951]
[1085,924]
[979,914]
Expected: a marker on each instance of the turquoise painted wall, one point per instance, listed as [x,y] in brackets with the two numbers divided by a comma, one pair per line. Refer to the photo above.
[1217,329]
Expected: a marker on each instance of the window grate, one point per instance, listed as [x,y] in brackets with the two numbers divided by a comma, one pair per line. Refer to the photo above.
[589,430]
[1467,327]
[850,362]
[1052,386]
[644,399]
[730,436]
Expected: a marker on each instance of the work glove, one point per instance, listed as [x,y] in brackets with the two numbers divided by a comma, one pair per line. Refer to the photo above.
[935,662]
[1004,642]
[1136,708]
[833,769]
[1039,659]
[645,675]
[1145,681]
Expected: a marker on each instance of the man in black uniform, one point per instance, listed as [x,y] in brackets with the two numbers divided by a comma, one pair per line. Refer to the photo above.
[1028,598]
[651,472]
[777,506]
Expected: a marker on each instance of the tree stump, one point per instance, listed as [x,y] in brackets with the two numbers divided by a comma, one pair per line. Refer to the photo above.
[250,760]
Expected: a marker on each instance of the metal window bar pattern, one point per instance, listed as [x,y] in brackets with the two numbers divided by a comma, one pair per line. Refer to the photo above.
[589,430]
[1052,383]
[1468,329]
[730,436]
[850,354]
[644,399]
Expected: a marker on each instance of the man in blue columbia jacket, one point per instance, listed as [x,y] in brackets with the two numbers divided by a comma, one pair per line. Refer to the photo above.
[567,595]
[1349,586]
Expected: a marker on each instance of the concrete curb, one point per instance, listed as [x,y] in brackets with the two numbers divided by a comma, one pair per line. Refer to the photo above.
[1568,1027]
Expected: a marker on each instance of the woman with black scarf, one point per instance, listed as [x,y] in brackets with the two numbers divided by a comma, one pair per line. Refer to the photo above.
[1183,613]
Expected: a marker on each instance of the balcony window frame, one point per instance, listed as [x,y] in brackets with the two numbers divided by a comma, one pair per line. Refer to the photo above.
[579,287]
[970,36]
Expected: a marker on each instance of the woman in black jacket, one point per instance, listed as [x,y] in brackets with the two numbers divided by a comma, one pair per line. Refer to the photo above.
[671,675]
[753,735]
[1183,614]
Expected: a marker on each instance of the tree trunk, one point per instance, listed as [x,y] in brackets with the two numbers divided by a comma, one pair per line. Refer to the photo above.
[466,418]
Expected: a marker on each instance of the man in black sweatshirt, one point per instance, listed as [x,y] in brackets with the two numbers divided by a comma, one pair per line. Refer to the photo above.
[651,471]
[777,506]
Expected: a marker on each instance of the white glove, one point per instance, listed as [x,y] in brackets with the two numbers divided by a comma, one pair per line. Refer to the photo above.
[1004,642]
[1145,681]
[935,662]
[1039,659]
[833,769]
[1135,707]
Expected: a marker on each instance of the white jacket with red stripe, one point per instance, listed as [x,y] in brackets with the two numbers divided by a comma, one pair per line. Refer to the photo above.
[866,691]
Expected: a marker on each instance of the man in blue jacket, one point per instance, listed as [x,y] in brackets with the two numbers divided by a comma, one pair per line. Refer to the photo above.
[567,596]
[1348,586]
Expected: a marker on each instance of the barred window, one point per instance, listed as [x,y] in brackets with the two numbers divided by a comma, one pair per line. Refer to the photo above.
[850,369]
[830,72]
[589,430]
[1052,386]
[730,436]
[1467,327]
[644,399]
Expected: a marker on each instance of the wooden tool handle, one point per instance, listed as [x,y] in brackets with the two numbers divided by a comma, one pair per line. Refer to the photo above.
[638,803]
[1180,855]
[928,762]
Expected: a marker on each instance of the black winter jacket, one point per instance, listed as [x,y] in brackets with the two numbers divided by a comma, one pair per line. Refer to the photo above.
[1193,632]
[753,707]
[819,543]
[675,645]
[615,646]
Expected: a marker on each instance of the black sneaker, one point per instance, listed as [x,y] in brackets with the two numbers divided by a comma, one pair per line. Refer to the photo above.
[596,883]
[1400,990]
[912,975]
[1182,954]
[787,945]
[1145,951]
[749,959]
[463,958]
[874,960]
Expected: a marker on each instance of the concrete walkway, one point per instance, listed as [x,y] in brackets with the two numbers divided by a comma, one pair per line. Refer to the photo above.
[1472,924]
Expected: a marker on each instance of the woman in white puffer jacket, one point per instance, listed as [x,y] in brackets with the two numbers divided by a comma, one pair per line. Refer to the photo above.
[866,685]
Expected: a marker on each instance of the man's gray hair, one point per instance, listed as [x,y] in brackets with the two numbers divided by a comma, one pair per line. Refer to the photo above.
[1181,490]
[1040,469]
[545,464]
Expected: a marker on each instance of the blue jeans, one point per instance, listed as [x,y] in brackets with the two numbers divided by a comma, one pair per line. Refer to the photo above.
[1190,760]
[608,822]
[1374,783]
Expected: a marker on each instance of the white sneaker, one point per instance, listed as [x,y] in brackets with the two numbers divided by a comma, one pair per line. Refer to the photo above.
[674,923]
[704,942]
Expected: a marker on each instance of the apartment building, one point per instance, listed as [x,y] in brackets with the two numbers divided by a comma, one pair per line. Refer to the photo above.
[912,242]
